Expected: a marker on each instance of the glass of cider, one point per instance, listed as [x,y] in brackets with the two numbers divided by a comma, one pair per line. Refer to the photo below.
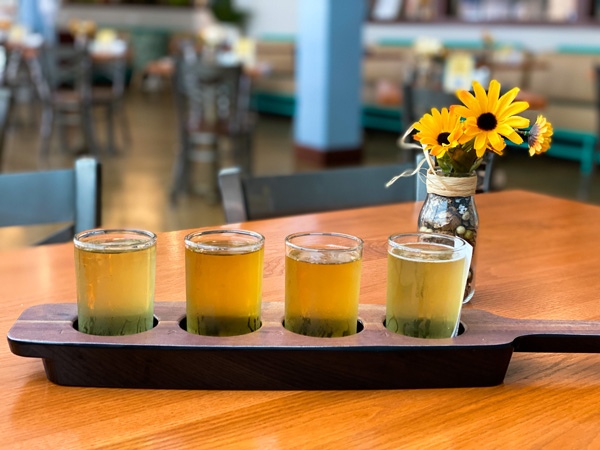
[426,279]
[115,272]
[322,283]
[223,282]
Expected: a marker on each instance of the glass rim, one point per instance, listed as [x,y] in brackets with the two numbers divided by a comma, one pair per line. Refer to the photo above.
[462,247]
[251,246]
[359,246]
[85,245]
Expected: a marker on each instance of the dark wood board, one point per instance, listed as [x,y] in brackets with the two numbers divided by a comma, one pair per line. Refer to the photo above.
[273,358]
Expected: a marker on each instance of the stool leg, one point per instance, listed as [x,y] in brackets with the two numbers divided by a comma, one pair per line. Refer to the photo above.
[88,130]
[125,129]
[180,170]
[110,129]
[46,134]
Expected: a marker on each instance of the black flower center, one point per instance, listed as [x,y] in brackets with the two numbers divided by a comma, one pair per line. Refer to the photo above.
[487,122]
[443,138]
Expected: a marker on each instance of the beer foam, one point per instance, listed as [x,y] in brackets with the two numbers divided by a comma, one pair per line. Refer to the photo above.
[325,257]
[436,254]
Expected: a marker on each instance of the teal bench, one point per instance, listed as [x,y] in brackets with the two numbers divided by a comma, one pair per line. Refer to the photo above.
[374,117]
[573,145]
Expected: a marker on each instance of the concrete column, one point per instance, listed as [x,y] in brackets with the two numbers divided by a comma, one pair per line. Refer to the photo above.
[327,124]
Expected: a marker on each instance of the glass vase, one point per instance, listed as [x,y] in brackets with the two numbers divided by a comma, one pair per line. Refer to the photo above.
[453,216]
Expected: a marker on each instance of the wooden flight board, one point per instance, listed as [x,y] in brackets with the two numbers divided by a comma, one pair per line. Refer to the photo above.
[274,358]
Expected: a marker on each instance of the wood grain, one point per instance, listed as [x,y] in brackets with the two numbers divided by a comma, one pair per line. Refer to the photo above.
[537,260]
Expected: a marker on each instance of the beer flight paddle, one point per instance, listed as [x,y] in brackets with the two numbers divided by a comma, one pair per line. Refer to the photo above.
[273,358]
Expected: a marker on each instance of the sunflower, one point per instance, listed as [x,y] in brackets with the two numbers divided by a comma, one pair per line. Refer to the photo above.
[539,138]
[489,118]
[439,131]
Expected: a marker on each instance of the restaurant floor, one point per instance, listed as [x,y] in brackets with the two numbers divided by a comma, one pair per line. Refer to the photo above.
[136,181]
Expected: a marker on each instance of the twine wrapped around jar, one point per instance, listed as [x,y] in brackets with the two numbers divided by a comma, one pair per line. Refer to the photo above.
[451,186]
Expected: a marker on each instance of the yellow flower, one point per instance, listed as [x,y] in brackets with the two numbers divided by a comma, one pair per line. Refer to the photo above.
[539,139]
[489,118]
[439,131]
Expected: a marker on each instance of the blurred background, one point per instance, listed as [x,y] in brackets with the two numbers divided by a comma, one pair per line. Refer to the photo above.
[165,93]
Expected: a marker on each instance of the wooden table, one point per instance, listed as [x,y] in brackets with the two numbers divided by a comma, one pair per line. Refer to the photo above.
[538,259]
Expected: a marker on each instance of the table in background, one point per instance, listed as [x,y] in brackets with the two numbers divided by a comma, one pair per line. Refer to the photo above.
[538,259]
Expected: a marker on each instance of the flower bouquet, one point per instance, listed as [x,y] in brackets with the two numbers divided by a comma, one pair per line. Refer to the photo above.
[459,138]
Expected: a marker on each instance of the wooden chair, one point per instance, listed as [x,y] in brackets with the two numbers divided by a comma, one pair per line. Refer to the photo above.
[57,196]
[212,102]
[251,198]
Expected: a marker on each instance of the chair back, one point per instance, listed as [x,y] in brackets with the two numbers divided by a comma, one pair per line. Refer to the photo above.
[418,101]
[60,67]
[113,72]
[57,196]
[213,97]
[5,107]
[253,198]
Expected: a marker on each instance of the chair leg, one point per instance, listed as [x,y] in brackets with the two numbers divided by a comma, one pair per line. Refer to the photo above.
[45,135]
[88,131]
[110,129]
[125,129]
[180,171]
[62,136]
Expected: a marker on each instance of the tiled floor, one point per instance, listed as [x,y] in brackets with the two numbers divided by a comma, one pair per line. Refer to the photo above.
[136,182]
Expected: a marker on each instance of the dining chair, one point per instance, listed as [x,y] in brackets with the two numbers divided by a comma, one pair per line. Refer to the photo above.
[16,76]
[213,104]
[62,77]
[419,100]
[251,198]
[57,196]
[110,96]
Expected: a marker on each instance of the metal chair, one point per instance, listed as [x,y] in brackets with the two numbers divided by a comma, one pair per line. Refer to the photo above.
[57,196]
[251,198]
[418,101]
[212,102]
[51,70]
[112,70]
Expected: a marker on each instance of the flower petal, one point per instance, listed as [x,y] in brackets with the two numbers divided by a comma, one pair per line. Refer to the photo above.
[445,119]
[506,100]
[515,138]
[504,130]
[493,94]
[494,138]
[517,122]
[480,142]
[462,111]
[481,96]
[514,108]
[470,102]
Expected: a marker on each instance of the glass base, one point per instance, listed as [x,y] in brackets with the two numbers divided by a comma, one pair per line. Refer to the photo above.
[468,297]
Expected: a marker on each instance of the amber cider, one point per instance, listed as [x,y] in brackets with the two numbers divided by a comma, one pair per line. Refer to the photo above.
[115,289]
[321,292]
[425,290]
[223,288]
